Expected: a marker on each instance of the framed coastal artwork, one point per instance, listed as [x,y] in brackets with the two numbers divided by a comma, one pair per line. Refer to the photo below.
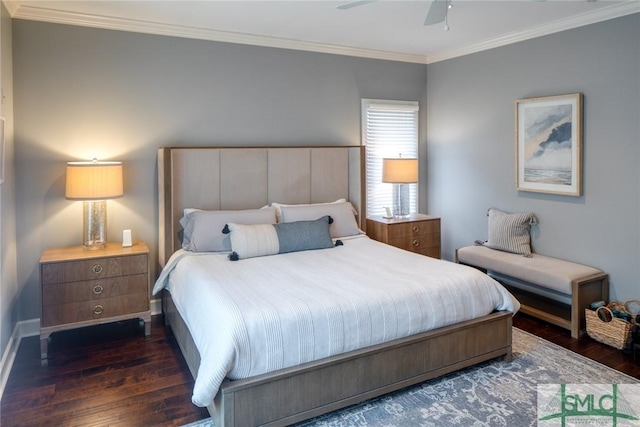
[549,144]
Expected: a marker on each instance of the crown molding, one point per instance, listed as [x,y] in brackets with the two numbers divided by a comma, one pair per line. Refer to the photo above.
[603,14]
[12,7]
[86,20]
[28,12]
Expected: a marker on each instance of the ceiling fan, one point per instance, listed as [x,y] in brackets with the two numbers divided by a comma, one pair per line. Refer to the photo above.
[438,11]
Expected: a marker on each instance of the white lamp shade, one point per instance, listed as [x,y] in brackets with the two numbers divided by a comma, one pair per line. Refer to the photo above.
[400,171]
[94,180]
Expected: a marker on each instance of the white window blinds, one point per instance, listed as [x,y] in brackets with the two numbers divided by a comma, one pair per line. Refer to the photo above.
[389,130]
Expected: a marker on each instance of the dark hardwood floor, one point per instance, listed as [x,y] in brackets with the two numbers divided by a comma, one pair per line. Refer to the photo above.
[622,361]
[111,375]
[107,375]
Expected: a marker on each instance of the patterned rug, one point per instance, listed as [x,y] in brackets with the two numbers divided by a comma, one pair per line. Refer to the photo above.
[494,393]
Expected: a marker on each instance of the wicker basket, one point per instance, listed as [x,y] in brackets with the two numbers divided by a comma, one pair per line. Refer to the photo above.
[615,333]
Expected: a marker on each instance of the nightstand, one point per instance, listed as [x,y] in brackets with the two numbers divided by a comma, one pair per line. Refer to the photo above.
[417,233]
[83,288]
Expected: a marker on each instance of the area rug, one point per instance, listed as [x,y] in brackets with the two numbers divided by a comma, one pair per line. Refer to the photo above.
[494,393]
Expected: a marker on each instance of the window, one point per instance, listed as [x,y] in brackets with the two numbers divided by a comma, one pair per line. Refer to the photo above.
[389,130]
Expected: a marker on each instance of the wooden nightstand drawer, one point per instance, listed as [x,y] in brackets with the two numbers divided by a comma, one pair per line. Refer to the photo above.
[83,311]
[413,228]
[417,243]
[74,271]
[61,293]
[418,233]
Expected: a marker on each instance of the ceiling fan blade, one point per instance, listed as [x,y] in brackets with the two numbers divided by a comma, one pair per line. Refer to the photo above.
[354,4]
[437,12]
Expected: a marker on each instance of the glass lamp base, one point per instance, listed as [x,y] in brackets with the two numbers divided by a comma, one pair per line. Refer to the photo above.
[94,224]
[400,200]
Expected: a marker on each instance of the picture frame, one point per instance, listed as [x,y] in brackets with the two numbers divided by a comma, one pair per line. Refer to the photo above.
[548,138]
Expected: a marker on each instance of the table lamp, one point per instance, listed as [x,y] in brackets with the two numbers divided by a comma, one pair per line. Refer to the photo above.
[93,183]
[400,172]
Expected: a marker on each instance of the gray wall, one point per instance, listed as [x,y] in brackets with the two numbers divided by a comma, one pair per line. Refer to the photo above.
[82,93]
[470,147]
[8,282]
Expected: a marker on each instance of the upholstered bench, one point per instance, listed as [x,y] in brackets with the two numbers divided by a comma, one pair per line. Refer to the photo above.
[551,289]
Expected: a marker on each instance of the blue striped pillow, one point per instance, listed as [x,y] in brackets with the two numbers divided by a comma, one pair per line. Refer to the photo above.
[510,232]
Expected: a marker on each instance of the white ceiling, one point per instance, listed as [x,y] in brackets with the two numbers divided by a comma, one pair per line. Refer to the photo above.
[385,29]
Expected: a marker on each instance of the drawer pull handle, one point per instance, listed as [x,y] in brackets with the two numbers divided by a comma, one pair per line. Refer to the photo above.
[97,269]
[98,289]
[415,228]
[98,309]
[416,243]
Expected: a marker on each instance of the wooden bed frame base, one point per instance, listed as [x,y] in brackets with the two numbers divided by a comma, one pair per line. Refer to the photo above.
[283,397]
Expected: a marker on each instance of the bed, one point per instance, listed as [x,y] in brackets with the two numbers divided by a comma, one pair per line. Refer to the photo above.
[411,345]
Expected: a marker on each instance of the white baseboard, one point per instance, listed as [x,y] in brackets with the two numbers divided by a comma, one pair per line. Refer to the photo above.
[25,328]
[30,328]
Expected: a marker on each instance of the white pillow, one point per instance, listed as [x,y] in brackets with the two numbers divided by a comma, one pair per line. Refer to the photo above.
[279,206]
[203,229]
[344,220]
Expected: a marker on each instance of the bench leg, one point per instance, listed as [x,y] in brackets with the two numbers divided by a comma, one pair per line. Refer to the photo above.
[583,292]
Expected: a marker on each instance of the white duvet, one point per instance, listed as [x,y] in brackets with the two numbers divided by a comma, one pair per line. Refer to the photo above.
[262,314]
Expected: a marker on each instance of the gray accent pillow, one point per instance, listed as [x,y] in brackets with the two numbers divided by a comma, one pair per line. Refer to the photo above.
[510,232]
[304,235]
[203,229]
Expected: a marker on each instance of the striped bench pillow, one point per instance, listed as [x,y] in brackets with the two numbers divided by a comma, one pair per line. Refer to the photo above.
[510,232]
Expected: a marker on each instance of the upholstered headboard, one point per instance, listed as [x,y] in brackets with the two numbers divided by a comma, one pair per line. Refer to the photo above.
[217,178]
